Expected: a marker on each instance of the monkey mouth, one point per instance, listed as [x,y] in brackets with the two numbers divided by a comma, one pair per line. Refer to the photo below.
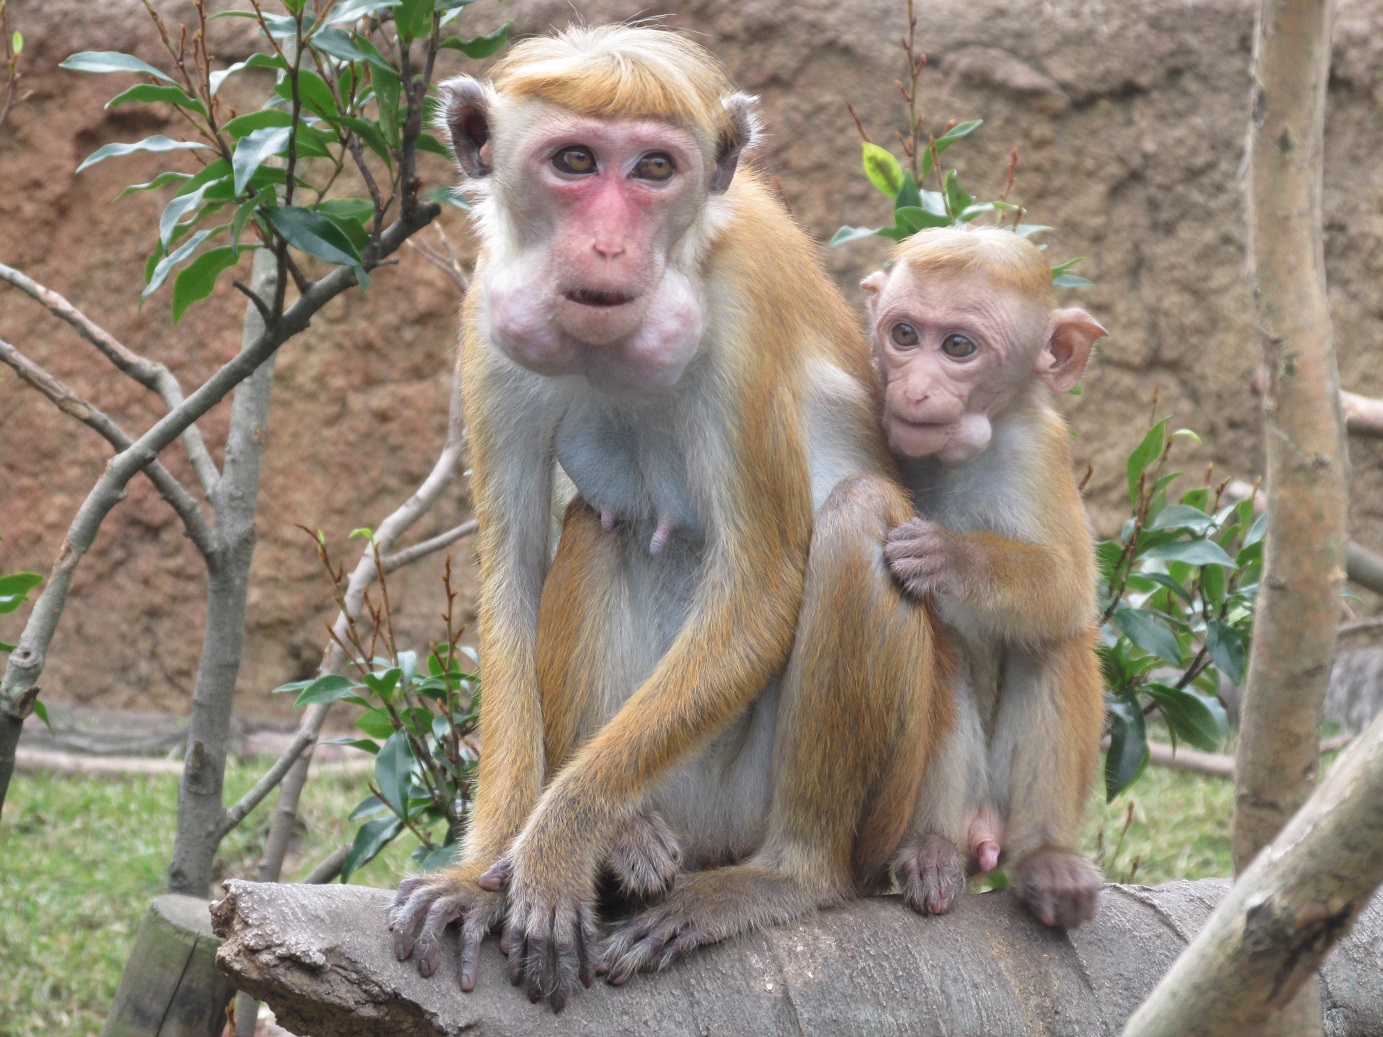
[922,426]
[597,298]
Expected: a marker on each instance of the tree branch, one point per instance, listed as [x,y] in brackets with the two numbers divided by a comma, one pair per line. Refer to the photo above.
[1363,414]
[153,376]
[362,576]
[182,503]
[25,664]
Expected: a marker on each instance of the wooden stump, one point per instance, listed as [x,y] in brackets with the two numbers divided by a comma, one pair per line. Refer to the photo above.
[171,987]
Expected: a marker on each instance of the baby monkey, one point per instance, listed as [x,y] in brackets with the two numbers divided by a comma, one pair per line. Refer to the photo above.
[970,346]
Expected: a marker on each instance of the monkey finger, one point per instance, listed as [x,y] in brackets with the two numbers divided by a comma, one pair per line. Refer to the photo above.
[472,935]
[401,897]
[407,916]
[441,914]
[588,946]
[496,877]
[678,948]
[538,973]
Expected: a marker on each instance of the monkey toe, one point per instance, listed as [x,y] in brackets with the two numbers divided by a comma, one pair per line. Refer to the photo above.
[1061,888]
[648,943]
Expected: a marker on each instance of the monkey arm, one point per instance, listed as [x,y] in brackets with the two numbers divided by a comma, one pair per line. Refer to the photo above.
[512,486]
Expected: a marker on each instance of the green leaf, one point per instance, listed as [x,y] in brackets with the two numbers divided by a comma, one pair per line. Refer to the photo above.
[1190,716]
[393,767]
[1128,746]
[111,61]
[15,588]
[369,133]
[1163,580]
[313,233]
[253,148]
[354,10]
[427,142]
[148,93]
[5,646]
[162,180]
[1256,531]
[372,837]
[915,218]
[331,687]
[1148,631]
[1144,454]
[364,744]
[478,47]
[17,48]
[165,265]
[198,280]
[253,61]
[1193,552]
[367,807]
[157,142]
[383,684]
[957,200]
[908,194]
[1226,648]
[1183,516]
[1071,281]
[251,121]
[440,857]
[882,169]
[313,93]
[957,132]
[375,723]
[1198,498]
[972,212]
[172,217]
[847,234]
[40,709]
[1027,230]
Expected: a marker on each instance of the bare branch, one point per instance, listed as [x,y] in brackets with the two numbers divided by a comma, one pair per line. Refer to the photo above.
[409,555]
[362,576]
[148,373]
[329,867]
[1363,414]
[25,664]
[444,257]
[182,503]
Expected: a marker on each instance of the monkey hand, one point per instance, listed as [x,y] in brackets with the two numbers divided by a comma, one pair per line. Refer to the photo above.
[645,857]
[425,906]
[1060,886]
[930,872]
[920,556]
[550,933]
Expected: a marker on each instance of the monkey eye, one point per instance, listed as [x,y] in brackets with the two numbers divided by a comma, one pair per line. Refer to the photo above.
[958,347]
[904,334]
[656,165]
[574,159]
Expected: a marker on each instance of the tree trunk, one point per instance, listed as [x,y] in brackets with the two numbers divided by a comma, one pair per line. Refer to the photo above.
[201,812]
[1256,955]
[320,957]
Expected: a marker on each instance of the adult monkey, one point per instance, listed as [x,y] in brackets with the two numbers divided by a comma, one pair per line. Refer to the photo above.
[652,318]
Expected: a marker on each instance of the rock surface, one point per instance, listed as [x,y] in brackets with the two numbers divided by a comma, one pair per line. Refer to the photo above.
[320,957]
[1129,118]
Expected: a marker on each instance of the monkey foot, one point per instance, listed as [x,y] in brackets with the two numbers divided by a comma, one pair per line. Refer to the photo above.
[645,857]
[931,874]
[1061,887]
[651,941]
[425,906]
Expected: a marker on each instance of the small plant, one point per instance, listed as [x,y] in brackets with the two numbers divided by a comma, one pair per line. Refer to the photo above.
[14,592]
[1178,587]
[417,720]
[351,78]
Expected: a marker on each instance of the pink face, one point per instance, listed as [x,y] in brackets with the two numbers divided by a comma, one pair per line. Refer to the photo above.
[955,350]
[608,200]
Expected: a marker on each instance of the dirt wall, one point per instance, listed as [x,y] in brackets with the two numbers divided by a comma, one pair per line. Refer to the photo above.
[1129,118]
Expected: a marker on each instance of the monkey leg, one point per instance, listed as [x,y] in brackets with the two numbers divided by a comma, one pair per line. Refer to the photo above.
[862,706]
[1043,757]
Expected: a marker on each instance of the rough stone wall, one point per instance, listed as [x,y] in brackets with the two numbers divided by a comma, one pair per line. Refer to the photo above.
[1129,117]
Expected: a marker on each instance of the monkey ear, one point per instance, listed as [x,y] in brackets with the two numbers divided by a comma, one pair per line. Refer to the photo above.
[873,286]
[741,136]
[464,117]
[1071,333]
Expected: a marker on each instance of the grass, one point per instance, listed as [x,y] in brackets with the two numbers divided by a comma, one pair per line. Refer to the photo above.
[80,859]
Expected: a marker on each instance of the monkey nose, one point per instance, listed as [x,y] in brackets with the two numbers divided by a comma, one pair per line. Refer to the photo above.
[608,250]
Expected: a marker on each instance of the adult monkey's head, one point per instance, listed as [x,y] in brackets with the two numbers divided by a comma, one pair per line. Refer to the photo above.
[964,326]
[601,151]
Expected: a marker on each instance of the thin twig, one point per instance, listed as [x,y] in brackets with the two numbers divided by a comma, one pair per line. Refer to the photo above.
[149,373]
[182,503]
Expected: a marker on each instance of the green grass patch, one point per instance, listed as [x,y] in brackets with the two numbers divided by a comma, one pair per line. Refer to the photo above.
[80,859]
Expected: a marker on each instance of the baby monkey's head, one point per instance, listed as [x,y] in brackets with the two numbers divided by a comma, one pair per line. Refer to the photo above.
[964,325]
